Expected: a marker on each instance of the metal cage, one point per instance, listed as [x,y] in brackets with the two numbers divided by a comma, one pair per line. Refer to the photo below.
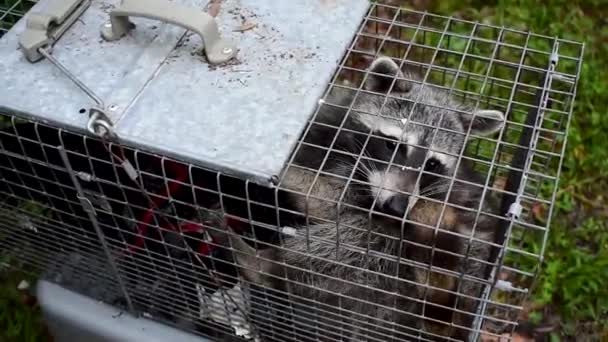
[148,233]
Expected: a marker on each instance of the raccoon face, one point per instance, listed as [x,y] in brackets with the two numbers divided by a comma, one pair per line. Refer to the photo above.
[420,128]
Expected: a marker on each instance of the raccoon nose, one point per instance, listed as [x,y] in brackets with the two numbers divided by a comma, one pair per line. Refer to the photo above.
[396,205]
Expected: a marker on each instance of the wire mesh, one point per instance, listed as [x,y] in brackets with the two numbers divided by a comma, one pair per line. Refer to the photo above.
[398,217]
[11,12]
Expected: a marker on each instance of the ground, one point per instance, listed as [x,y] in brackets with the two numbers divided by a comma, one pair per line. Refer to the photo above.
[570,298]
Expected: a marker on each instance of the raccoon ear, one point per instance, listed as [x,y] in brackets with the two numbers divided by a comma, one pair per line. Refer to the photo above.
[484,121]
[381,84]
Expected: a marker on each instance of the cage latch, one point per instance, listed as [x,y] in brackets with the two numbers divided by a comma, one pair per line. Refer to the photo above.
[42,30]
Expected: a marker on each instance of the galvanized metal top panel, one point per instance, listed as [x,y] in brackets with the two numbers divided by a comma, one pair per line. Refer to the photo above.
[243,117]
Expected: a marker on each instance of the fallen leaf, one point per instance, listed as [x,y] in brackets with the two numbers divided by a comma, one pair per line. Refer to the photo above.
[538,210]
[213,8]
[246,27]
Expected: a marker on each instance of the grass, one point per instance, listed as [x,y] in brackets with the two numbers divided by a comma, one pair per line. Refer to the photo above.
[20,318]
[572,290]
[571,293]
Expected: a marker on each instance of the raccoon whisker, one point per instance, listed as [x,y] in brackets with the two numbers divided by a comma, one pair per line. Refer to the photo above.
[347,168]
[359,146]
[432,190]
[367,168]
[442,192]
[437,185]
[370,167]
[339,161]
[365,153]
[439,182]
[369,162]
[342,165]
[435,189]
[440,188]
[343,169]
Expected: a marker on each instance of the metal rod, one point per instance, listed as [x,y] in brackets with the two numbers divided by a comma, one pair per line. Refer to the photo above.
[88,207]
[72,77]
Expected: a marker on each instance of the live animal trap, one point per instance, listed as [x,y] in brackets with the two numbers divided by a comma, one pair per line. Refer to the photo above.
[283,171]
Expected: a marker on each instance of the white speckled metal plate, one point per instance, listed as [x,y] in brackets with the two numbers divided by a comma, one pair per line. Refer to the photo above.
[242,118]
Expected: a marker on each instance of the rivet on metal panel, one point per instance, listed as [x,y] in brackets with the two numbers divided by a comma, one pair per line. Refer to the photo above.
[274,180]
[216,49]
[44,29]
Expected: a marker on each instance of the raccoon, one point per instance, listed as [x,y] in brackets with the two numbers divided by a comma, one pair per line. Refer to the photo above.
[419,126]
[422,128]
[344,280]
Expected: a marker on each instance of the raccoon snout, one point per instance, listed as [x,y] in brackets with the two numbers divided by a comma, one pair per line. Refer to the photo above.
[396,205]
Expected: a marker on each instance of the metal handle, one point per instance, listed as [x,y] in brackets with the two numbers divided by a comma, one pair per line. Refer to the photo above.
[216,49]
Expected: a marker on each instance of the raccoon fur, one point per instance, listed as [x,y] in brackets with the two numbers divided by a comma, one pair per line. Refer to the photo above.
[320,196]
[333,261]
[344,279]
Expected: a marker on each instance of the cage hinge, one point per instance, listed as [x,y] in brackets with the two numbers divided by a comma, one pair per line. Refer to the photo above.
[99,123]
[42,30]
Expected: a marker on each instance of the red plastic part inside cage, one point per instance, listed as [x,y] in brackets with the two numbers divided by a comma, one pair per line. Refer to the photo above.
[181,176]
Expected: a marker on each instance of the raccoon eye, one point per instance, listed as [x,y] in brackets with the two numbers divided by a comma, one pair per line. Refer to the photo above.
[391,145]
[432,165]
